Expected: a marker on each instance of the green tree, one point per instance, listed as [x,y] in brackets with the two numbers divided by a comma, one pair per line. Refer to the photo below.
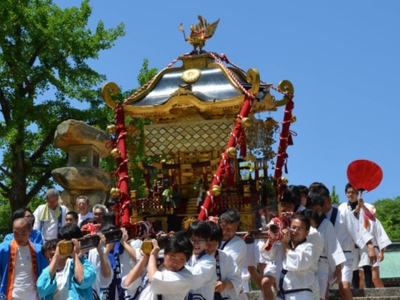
[335,196]
[44,52]
[388,213]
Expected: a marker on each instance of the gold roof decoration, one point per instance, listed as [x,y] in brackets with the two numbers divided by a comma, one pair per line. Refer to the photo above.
[199,33]
[207,86]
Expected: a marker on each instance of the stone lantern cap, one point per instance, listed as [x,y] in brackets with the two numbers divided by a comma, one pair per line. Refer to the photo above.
[77,133]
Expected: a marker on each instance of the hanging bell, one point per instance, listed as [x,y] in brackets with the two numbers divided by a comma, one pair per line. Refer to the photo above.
[111,129]
[247,122]
[231,152]
[115,193]
[216,190]
[284,180]
[115,153]
[293,119]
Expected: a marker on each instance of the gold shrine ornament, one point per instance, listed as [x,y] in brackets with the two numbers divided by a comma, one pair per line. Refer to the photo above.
[216,190]
[111,129]
[231,152]
[284,180]
[115,153]
[191,75]
[247,122]
[115,192]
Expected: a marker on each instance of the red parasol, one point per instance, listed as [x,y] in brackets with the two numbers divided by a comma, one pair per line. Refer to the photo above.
[364,175]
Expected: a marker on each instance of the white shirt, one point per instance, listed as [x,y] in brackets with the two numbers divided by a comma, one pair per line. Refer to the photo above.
[332,249]
[83,218]
[236,248]
[50,228]
[172,285]
[379,239]
[101,281]
[348,230]
[24,285]
[204,275]
[300,273]
[230,272]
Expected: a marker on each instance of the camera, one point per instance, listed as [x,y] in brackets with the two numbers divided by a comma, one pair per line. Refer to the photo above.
[87,242]
[162,241]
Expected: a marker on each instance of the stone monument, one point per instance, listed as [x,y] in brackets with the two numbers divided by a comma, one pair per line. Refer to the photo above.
[85,146]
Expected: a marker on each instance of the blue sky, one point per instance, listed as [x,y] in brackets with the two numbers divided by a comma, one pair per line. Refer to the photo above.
[343,58]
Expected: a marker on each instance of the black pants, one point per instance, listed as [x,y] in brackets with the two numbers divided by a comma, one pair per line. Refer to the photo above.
[367,278]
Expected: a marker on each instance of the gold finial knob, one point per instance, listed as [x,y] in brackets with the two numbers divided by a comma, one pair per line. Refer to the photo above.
[115,192]
[247,122]
[115,153]
[216,190]
[231,152]
[111,129]
[284,180]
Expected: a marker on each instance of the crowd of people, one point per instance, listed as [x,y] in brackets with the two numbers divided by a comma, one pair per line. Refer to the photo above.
[311,245]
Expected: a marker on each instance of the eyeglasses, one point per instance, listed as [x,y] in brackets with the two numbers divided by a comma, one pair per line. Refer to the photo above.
[296,228]
[198,242]
[29,216]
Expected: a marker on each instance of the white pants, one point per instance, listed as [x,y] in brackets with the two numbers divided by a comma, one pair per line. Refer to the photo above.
[347,267]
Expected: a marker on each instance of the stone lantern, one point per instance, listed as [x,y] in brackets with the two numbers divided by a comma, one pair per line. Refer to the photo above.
[85,146]
[83,156]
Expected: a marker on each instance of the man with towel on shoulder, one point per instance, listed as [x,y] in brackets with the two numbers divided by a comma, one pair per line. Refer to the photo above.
[50,217]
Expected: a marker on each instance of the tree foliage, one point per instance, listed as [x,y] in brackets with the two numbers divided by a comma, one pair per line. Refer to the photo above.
[44,53]
[388,213]
[335,197]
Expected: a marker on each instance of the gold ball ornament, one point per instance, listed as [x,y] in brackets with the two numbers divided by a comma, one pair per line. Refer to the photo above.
[216,190]
[231,152]
[115,153]
[115,192]
[247,122]
[284,180]
[293,119]
[111,129]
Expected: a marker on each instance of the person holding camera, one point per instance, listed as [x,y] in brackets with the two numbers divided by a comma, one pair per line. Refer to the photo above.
[165,278]
[69,276]
[122,258]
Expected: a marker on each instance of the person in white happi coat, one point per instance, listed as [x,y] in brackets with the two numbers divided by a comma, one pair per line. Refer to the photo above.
[332,256]
[380,240]
[289,202]
[201,264]
[317,240]
[122,258]
[231,243]
[103,269]
[365,213]
[297,275]
[348,232]
[229,283]
[166,279]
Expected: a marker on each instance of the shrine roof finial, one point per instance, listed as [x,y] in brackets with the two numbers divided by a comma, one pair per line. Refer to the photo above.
[199,33]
